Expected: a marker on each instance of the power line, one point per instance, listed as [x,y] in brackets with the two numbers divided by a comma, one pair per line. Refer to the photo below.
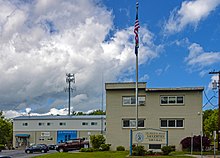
[209,100]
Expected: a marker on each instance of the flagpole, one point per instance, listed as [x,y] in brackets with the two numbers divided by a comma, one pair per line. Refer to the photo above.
[136,27]
[136,90]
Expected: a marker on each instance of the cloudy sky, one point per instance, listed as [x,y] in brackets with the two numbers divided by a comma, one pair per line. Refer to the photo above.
[42,40]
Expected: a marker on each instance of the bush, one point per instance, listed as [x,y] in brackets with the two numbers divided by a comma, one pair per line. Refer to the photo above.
[86,150]
[186,143]
[120,148]
[97,140]
[138,151]
[2,147]
[105,147]
[166,150]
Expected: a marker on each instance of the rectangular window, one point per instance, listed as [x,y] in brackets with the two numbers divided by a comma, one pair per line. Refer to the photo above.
[171,100]
[132,100]
[163,123]
[131,123]
[85,123]
[171,123]
[49,123]
[25,124]
[41,123]
[179,123]
[164,100]
[179,100]
[94,123]
[62,123]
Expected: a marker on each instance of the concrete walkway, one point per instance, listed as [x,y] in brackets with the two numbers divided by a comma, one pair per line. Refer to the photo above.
[204,156]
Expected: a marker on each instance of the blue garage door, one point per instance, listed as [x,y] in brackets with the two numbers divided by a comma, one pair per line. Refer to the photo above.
[63,136]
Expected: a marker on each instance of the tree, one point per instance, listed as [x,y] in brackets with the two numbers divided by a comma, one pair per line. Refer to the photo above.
[5,130]
[97,141]
[210,122]
[97,112]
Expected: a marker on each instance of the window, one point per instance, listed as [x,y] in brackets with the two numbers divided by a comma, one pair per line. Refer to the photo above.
[171,123]
[131,123]
[171,100]
[41,139]
[154,146]
[94,123]
[25,124]
[41,123]
[49,123]
[62,123]
[49,139]
[85,123]
[132,100]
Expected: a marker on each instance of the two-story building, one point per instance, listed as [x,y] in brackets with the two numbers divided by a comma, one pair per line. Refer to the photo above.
[55,129]
[170,111]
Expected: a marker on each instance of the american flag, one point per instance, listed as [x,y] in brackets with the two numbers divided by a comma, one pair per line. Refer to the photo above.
[136,27]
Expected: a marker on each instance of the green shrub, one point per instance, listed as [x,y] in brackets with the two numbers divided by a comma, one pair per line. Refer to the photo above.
[138,151]
[2,147]
[166,150]
[105,147]
[150,152]
[86,150]
[97,140]
[120,148]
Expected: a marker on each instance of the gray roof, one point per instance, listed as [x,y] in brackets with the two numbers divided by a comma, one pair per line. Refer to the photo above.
[175,89]
[59,117]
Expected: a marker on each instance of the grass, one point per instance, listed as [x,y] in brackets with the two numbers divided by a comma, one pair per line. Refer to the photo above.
[107,154]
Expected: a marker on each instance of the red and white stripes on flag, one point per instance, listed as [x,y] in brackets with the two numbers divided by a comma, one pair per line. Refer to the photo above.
[136,27]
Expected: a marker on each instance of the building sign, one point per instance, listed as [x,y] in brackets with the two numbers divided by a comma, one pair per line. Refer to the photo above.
[150,136]
[45,134]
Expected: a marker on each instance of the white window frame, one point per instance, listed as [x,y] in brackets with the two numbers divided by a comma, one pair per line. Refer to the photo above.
[169,98]
[132,123]
[172,119]
[131,100]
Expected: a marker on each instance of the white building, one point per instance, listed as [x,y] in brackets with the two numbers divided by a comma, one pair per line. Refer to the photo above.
[165,115]
[55,129]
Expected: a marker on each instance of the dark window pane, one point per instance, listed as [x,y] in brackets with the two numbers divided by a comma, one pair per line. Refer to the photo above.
[172,100]
[133,101]
[179,123]
[164,100]
[180,100]
[171,123]
[140,123]
[163,123]
[126,100]
[125,123]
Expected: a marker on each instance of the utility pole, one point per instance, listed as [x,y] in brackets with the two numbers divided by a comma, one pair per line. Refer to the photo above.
[69,78]
[215,86]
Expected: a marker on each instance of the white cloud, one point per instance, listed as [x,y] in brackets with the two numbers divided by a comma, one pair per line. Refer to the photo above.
[198,58]
[54,38]
[190,13]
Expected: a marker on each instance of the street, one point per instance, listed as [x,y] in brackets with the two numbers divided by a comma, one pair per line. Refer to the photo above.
[22,154]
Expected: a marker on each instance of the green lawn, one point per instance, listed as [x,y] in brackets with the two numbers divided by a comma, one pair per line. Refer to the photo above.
[107,154]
